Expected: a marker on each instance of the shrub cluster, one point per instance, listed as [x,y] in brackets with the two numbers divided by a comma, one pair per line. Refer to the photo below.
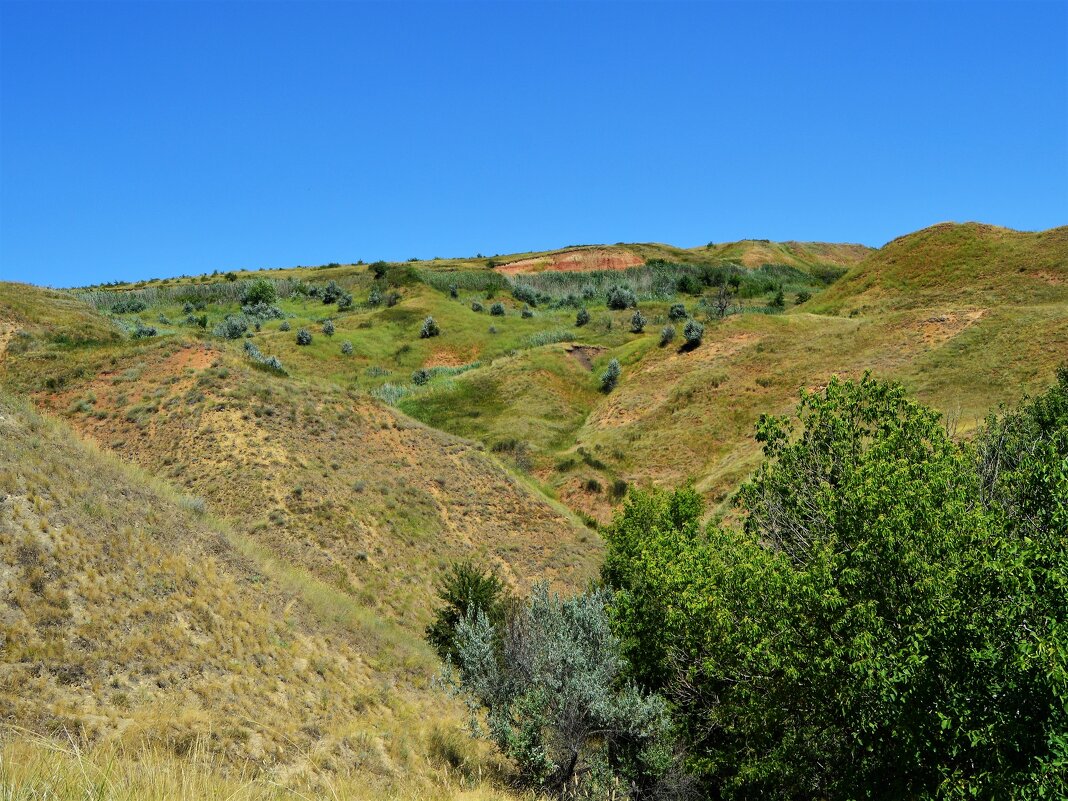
[429,329]
[620,297]
[270,363]
[233,326]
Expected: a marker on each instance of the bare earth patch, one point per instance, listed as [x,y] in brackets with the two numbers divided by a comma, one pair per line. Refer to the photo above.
[585,354]
[577,260]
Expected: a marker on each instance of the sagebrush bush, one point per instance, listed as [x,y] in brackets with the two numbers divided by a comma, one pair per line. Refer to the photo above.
[637,322]
[332,293]
[421,377]
[142,331]
[667,334]
[429,329]
[233,326]
[476,306]
[346,348]
[284,326]
[497,309]
[620,297]
[582,317]
[304,337]
[525,294]
[610,377]
[344,303]
[694,332]
[677,312]
[527,312]
[374,298]
[328,328]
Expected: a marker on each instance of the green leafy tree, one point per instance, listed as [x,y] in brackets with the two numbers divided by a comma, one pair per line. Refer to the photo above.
[889,621]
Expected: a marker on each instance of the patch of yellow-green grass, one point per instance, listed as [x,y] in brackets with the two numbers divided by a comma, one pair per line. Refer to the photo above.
[35,768]
[955,266]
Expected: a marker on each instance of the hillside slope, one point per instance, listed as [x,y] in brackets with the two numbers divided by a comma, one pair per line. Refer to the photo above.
[130,620]
[956,264]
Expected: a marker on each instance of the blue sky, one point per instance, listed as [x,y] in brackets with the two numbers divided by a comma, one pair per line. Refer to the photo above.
[154,139]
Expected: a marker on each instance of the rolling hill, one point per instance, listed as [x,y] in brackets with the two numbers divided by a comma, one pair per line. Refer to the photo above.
[273,530]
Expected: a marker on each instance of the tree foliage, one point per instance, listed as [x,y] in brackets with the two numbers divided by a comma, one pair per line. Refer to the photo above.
[891,619]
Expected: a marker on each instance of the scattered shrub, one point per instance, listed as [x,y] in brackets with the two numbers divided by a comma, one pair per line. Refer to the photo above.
[284,326]
[332,293]
[270,363]
[637,322]
[476,306]
[802,297]
[677,312]
[694,332]
[779,301]
[233,326]
[667,334]
[328,328]
[129,306]
[497,309]
[429,329]
[378,269]
[262,311]
[142,331]
[582,317]
[346,348]
[259,292]
[527,312]
[525,294]
[304,337]
[610,377]
[421,377]
[187,308]
[344,303]
[374,298]
[620,297]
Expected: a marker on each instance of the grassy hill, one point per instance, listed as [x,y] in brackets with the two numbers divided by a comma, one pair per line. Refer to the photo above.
[336,488]
[957,264]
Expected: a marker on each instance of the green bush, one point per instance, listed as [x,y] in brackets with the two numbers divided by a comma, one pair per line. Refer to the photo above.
[332,293]
[374,298]
[693,333]
[779,301]
[677,312]
[464,589]
[802,297]
[667,334]
[344,303]
[142,331]
[582,317]
[284,326]
[637,322]
[328,328]
[259,291]
[346,348]
[497,309]
[421,377]
[525,294]
[429,329]
[527,312]
[888,621]
[476,306]
[551,681]
[233,326]
[304,337]
[620,297]
[610,377]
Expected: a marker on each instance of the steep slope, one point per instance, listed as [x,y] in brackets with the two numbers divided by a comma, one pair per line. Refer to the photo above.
[959,265]
[128,616]
[802,255]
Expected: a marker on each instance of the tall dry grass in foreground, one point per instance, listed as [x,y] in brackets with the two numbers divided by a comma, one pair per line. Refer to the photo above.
[33,768]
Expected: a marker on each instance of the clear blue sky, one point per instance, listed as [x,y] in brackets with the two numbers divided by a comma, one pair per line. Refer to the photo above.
[155,139]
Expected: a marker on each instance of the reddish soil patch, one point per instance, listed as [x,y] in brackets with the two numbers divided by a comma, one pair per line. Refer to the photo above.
[585,354]
[577,260]
[451,358]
